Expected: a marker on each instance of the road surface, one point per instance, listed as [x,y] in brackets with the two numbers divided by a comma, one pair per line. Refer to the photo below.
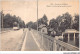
[12,41]
[30,43]
[16,41]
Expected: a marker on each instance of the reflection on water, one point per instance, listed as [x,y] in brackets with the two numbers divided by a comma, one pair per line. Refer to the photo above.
[71,39]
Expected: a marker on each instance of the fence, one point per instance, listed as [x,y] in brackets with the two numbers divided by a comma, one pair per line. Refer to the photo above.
[49,43]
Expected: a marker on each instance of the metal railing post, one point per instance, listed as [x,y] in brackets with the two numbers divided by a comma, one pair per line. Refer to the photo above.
[37,15]
[54,45]
[42,39]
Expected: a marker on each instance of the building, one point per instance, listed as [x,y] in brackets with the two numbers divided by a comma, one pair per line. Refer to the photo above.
[71,36]
[43,28]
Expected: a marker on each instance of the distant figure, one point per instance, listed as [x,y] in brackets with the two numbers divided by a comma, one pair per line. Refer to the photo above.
[23,29]
[53,33]
[29,28]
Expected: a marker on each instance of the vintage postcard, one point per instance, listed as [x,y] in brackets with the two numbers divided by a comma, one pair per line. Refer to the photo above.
[39,25]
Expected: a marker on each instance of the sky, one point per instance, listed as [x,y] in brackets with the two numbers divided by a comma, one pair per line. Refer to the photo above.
[27,9]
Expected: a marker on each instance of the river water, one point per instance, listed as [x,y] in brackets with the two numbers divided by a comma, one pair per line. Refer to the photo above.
[72,40]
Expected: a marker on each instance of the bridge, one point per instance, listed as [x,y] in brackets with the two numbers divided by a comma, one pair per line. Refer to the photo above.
[49,43]
[33,40]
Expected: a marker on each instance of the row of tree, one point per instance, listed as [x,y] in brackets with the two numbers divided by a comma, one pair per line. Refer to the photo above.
[8,20]
[60,24]
[40,21]
[63,22]
[32,25]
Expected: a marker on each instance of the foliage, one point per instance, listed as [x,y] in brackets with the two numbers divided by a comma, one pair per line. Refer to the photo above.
[8,20]
[61,23]
[43,20]
[33,25]
[76,23]
[65,22]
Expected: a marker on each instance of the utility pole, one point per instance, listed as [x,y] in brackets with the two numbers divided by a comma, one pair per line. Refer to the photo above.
[37,15]
[2,19]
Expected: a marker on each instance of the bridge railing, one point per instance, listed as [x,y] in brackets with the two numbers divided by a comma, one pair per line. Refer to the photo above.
[49,43]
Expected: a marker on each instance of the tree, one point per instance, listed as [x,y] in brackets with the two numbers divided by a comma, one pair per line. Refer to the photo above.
[64,22]
[61,23]
[8,21]
[53,24]
[40,21]
[44,20]
[29,24]
[76,23]
[34,26]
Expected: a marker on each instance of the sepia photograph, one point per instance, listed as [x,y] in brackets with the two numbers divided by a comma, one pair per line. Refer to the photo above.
[39,25]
